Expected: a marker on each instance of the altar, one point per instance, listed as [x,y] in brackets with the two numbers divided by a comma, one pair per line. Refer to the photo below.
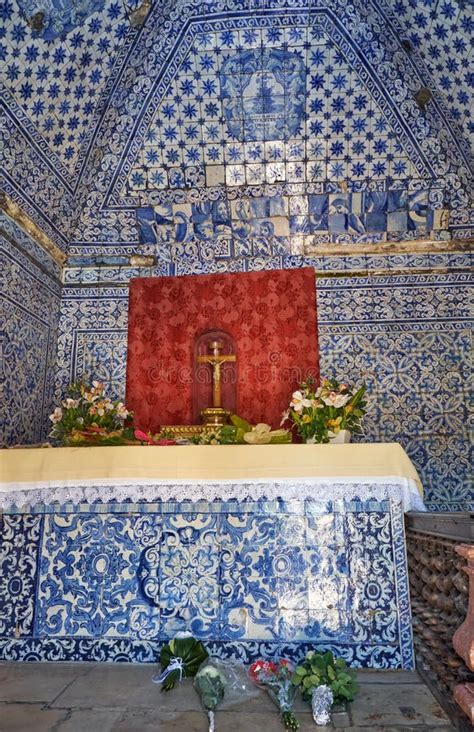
[105,553]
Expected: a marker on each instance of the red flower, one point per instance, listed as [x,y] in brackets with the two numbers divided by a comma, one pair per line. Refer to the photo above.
[143,437]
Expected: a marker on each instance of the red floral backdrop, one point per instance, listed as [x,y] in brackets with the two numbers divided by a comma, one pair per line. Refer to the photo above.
[270,315]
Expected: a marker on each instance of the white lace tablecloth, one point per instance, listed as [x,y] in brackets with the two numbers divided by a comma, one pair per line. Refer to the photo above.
[400,489]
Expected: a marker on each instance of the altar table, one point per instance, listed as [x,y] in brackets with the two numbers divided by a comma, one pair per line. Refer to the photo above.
[105,553]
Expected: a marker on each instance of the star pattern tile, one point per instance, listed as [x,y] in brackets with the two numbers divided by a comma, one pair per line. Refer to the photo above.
[441,31]
[58,82]
[338,130]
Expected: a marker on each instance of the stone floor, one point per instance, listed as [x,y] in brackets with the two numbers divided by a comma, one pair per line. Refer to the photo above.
[67,697]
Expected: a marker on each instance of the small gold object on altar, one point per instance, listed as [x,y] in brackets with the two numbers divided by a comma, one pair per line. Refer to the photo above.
[216,415]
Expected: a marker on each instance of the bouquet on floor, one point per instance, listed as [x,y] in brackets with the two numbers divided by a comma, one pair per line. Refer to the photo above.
[88,417]
[180,658]
[318,669]
[275,677]
[210,683]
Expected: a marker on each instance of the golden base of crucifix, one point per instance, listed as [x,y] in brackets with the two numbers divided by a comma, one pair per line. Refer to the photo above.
[215,416]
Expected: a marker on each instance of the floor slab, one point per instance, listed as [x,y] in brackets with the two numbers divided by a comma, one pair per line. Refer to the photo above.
[29,718]
[391,705]
[123,698]
[37,682]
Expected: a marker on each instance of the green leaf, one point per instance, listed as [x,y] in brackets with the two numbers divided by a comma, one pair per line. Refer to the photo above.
[240,423]
[318,662]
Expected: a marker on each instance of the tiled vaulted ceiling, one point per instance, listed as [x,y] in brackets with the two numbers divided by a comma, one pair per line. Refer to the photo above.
[63,83]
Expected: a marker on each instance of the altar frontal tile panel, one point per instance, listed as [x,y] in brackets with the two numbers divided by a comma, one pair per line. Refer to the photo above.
[88,584]
[276,577]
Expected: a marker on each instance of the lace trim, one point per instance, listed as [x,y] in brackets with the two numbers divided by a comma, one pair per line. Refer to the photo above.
[401,490]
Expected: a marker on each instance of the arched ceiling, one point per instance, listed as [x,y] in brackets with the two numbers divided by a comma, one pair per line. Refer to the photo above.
[80,95]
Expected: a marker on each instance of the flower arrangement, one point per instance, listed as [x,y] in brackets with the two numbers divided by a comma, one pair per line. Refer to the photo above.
[241,432]
[180,658]
[321,678]
[210,683]
[88,417]
[320,412]
[323,669]
[276,678]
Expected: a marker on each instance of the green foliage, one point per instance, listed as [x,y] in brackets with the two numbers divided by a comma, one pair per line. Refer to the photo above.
[323,668]
[190,651]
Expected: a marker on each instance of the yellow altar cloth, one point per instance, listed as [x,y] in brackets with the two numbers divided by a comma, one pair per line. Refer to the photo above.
[21,467]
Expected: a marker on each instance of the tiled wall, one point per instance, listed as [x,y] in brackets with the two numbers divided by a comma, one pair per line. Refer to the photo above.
[29,311]
[241,139]
[407,336]
[231,101]
[249,578]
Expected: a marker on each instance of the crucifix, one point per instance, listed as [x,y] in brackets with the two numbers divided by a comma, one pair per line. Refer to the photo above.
[216,415]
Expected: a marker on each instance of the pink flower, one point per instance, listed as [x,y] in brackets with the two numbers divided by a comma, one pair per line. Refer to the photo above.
[143,437]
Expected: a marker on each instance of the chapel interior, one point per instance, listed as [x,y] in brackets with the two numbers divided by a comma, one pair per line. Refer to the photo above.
[203,205]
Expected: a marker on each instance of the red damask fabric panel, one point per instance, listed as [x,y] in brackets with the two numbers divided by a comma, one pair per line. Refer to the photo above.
[270,315]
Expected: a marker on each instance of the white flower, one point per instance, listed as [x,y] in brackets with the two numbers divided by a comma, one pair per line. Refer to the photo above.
[260,434]
[298,401]
[122,410]
[71,403]
[335,400]
[57,415]
[108,404]
[213,673]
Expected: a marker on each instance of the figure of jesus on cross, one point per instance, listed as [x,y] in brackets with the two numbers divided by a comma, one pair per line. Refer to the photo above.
[216,360]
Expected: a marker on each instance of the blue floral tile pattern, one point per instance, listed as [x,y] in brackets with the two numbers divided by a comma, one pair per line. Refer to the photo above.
[95,585]
[29,314]
[88,583]
[19,541]
[109,116]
